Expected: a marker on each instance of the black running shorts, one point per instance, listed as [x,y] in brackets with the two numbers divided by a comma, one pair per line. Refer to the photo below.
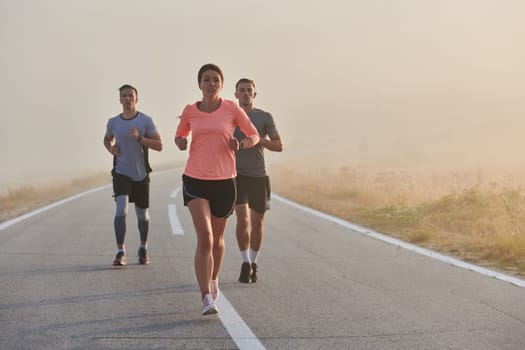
[255,191]
[219,193]
[138,191]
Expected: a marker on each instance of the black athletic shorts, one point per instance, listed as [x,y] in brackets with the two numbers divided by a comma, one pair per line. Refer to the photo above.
[138,191]
[219,193]
[255,191]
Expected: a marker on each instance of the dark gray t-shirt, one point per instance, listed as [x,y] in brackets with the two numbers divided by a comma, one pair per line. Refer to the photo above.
[250,161]
[130,162]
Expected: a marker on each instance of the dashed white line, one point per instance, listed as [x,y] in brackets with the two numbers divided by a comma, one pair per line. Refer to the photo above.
[175,192]
[176,227]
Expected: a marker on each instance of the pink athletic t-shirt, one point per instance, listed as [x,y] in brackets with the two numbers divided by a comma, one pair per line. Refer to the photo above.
[210,156]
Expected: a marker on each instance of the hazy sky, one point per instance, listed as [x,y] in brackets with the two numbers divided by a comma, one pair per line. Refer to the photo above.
[392,82]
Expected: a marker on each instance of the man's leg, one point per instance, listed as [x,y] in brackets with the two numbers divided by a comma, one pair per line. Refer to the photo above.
[256,240]
[120,229]
[242,231]
[257,234]
[143,220]
[120,220]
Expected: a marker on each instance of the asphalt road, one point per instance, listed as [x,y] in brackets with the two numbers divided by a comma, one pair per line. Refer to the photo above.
[322,286]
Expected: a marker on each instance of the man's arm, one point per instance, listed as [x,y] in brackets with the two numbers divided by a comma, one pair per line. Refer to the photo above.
[109,143]
[273,143]
[152,141]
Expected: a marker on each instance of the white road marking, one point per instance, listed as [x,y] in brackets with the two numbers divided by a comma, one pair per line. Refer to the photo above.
[176,227]
[240,333]
[20,218]
[367,232]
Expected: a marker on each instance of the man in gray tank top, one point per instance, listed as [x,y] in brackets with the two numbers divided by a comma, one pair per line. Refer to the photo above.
[253,183]
[128,137]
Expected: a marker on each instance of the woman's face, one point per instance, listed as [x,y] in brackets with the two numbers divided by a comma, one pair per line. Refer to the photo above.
[210,84]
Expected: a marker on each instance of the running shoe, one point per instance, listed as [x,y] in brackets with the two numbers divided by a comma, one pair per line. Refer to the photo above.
[143,256]
[246,272]
[254,273]
[120,259]
[215,290]
[208,306]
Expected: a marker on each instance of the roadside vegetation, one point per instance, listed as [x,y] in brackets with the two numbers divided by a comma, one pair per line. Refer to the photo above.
[20,200]
[473,215]
[23,199]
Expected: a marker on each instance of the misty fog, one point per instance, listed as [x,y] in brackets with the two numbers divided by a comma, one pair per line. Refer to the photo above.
[383,83]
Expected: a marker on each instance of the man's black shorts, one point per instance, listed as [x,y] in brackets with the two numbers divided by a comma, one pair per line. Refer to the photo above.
[138,191]
[219,193]
[255,191]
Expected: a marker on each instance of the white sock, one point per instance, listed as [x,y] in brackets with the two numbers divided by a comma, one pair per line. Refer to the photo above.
[245,256]
[253,255]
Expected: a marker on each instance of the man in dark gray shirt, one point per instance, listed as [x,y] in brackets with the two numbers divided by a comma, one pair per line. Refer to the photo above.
[128,138]
[253,183]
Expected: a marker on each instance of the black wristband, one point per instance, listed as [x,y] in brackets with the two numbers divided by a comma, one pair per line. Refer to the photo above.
[140,138]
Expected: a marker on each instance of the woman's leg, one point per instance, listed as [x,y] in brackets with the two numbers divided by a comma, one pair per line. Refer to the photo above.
[218,226]
[202,221]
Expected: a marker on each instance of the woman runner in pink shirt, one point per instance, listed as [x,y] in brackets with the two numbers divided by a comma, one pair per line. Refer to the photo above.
[209,177]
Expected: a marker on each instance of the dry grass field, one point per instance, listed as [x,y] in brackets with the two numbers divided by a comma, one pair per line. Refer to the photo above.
[474,215]
[24,199]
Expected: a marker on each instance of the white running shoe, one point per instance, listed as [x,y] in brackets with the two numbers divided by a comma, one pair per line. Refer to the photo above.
[208,306]
[215,290]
